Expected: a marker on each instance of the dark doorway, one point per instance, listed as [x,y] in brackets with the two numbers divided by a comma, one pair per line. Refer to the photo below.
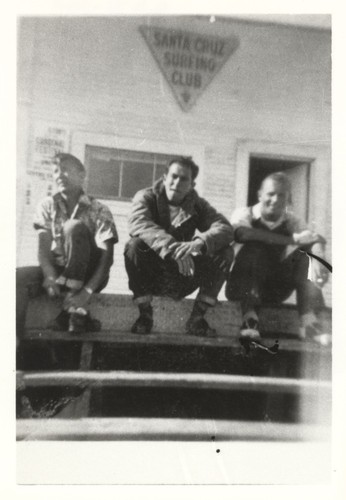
[298,172]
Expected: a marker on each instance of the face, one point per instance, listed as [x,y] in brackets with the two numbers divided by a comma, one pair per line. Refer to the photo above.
[274,199]
[178,182]
[68,178]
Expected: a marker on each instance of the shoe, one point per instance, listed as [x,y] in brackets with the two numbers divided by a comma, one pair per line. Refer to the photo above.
[60,323]
[199,327]
[316,334]
[143,325]
[82,323]
[249,328]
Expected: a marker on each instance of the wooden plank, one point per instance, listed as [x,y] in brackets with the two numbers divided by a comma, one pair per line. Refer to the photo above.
[126,338]
[80,406]
[166,429]
[165,380]
[86,356]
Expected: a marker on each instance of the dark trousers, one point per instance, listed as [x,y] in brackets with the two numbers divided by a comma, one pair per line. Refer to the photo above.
[150,275]
[259,277]
[82,259]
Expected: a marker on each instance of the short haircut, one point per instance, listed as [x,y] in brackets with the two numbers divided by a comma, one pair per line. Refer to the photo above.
[62,157]
[280,178]
[185,161]
[283,180]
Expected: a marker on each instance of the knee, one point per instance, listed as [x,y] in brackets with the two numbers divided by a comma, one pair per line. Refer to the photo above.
[135,248]
[73,228]
[252,253]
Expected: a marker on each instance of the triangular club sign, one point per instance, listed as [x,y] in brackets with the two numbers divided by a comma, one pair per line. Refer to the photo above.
[189,61]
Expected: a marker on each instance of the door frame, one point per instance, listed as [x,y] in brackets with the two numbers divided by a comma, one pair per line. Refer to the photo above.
[317,156]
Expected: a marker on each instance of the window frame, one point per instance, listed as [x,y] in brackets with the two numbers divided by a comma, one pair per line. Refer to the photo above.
[124,156]
[80,140]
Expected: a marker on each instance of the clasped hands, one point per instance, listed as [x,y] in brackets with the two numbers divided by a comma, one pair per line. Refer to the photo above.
[76,299]
[183,251]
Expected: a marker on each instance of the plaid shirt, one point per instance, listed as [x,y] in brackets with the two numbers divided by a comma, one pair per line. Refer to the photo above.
[51,215]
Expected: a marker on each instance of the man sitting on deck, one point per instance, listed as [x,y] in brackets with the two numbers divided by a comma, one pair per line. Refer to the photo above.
[272,262]
[178,243]
[76,236]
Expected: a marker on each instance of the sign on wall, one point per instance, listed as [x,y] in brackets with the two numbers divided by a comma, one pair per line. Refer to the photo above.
[48,139]
[189,61]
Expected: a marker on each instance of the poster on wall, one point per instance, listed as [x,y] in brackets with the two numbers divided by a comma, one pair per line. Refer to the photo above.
[48,139]
[189,61]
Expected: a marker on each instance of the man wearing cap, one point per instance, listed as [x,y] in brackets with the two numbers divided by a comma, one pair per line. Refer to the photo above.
[76,236]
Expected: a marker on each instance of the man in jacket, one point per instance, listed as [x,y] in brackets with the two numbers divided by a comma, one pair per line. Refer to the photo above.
[179,243]
[271,260]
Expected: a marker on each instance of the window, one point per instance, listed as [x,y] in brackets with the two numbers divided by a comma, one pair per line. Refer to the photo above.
[120,173]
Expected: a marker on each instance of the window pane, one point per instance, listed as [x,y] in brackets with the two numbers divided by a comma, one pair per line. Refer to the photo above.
[136,176]
[160,170]
[103,178]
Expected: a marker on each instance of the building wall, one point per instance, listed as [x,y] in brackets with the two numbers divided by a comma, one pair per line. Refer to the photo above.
[96,77]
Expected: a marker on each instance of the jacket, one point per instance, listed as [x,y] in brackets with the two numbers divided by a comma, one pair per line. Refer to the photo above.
[150,221]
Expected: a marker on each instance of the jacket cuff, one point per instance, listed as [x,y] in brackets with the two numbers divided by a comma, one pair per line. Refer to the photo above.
[208,250]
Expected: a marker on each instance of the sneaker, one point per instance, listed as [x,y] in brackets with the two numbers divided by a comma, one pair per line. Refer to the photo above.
[249,328]
[315,333]
[60,323]
[82,323]
[199,327]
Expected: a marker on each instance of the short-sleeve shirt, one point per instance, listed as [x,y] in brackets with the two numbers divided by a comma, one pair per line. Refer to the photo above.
[51,215]
[287,224]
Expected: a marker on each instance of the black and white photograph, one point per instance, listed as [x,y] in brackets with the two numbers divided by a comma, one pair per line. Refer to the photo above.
[174,264]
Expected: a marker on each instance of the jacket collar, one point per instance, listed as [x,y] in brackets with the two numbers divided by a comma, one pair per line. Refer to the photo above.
[187,207]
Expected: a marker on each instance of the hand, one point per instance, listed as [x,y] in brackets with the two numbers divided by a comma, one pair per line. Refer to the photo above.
[306,237]
[183,249]
[80,298]
[318,272]
[186,266]
[51,287]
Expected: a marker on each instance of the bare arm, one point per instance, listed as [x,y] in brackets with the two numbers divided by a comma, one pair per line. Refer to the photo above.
[303,238]
[244,234]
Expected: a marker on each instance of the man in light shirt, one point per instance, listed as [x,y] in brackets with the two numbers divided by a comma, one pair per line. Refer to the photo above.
[270,261]
[76,236]
[179,243]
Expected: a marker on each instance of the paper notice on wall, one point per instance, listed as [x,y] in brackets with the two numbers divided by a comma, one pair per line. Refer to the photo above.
[48,140]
